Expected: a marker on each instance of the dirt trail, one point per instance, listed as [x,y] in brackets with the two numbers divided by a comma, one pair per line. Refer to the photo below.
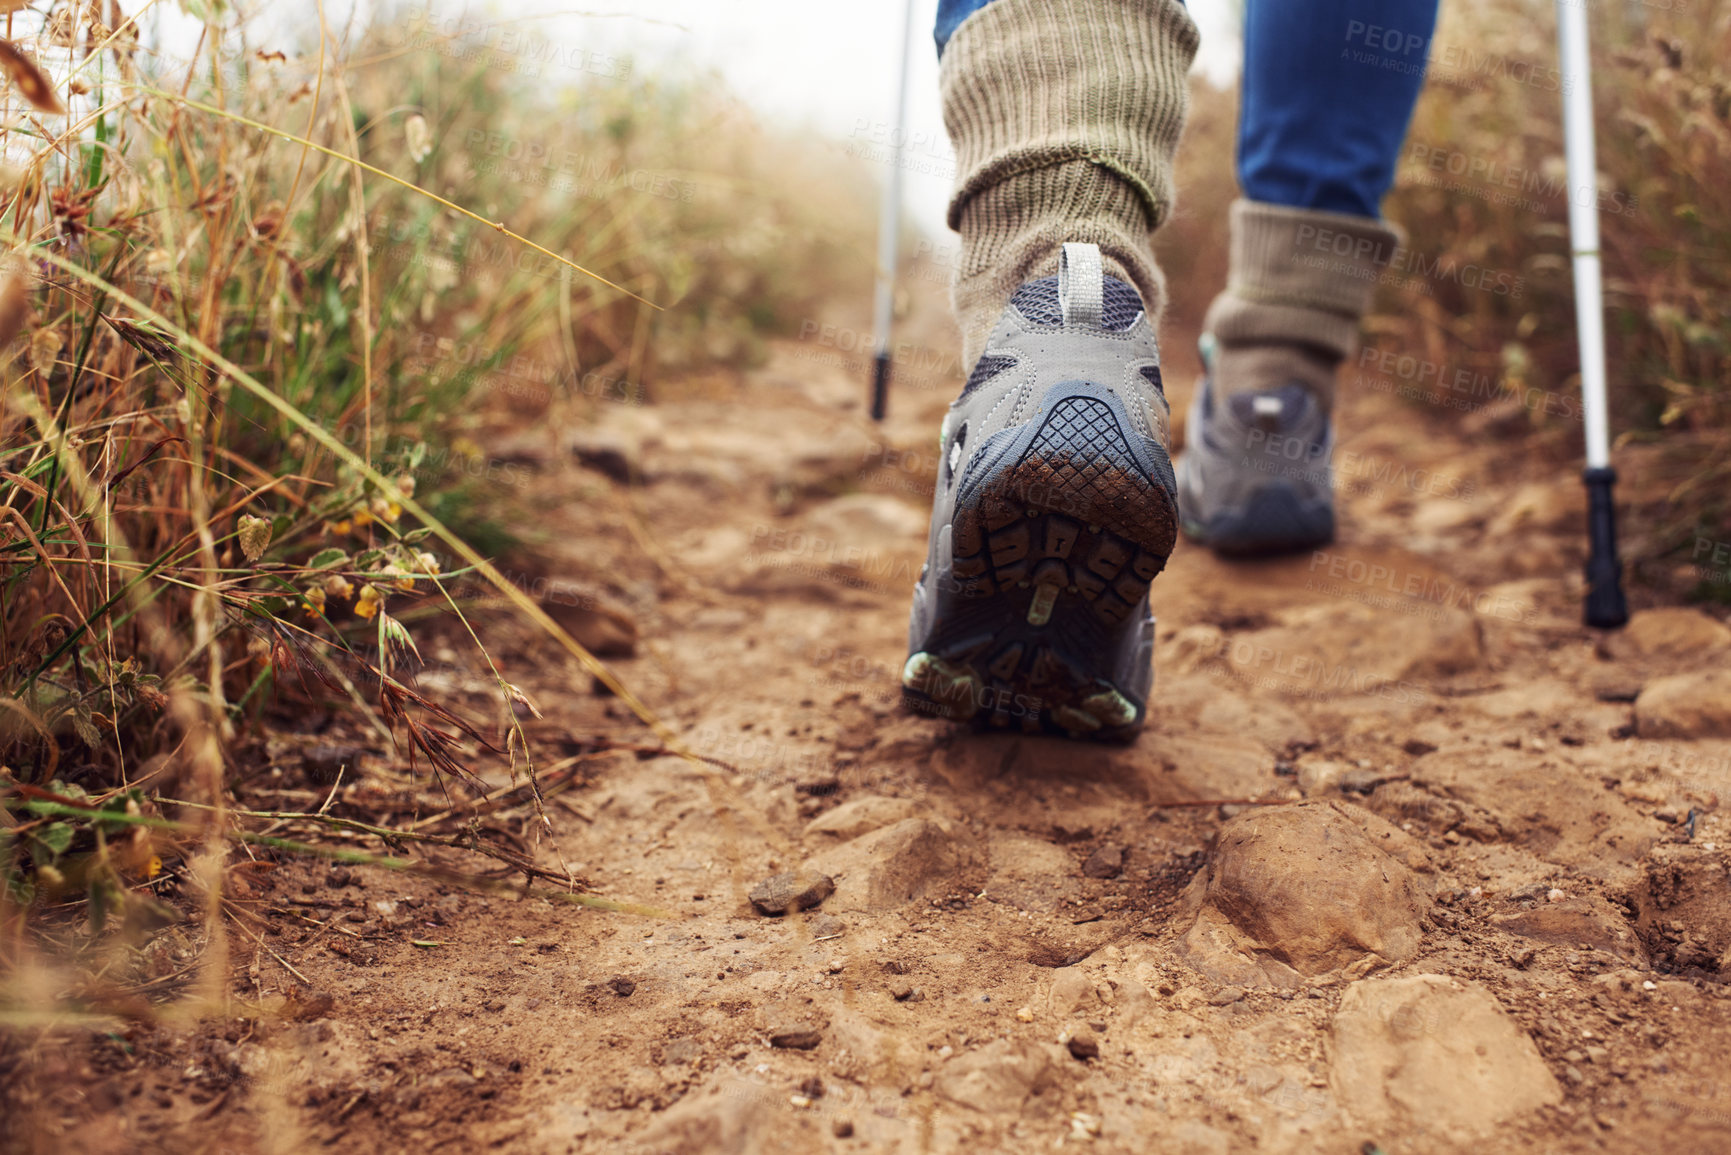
[1492,903]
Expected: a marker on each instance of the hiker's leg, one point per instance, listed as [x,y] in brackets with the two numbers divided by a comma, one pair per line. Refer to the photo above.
[1329,88]
[1328,91]
[1055,504]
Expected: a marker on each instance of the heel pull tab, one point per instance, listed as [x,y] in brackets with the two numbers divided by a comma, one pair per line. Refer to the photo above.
[1081,286]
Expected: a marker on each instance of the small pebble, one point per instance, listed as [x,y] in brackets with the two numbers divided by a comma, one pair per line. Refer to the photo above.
[624,987]
[1083,1045]
[1225,997]
[843,1128]
[1026,1014]
[1555,895]
[1106,862]
[795,1037]
[792,890]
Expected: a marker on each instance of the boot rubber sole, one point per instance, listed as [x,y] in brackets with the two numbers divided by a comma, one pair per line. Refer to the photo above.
[1042,597]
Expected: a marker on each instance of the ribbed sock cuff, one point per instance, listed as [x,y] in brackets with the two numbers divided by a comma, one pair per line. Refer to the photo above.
[1013,232]
[1300,276]
[1064,119]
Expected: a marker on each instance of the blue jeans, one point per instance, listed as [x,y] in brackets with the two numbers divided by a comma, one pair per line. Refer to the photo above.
[1328,91]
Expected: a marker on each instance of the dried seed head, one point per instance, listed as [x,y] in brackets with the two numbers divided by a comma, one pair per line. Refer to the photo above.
[27,76]
[420,142]
[254,534]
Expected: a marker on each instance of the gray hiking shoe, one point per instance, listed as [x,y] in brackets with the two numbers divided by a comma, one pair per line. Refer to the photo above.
[1055,508]
[1254,477]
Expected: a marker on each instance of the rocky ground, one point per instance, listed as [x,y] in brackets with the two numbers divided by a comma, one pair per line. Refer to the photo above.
[1407,859]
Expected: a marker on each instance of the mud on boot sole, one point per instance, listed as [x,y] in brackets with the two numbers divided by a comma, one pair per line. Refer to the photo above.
[1050,562]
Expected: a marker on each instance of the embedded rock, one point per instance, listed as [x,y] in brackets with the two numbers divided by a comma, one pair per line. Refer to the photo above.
[1586,921]
[1694,705]
[1301,890]
[861,816]
[1437,1055]
[913,859]
[999,1079]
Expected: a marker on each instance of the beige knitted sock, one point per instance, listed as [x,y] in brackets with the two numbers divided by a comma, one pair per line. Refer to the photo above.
[1064,119]
[1301,280]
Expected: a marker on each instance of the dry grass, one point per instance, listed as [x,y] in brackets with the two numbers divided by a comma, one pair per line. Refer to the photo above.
[253,315]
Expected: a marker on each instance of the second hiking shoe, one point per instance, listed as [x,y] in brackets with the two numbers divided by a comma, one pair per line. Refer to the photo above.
[1255,476]
[1055,507]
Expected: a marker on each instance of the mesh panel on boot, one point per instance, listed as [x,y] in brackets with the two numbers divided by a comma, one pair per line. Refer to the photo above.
[984,370]
[1038,302]
[1121,306]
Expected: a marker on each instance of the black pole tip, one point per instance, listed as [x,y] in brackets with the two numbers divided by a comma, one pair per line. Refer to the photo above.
[1605,608]
[880,385]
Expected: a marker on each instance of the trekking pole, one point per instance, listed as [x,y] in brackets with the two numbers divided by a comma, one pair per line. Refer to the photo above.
[1605,606]
[889,225]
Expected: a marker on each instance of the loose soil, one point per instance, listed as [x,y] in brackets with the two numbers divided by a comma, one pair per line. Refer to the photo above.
[1406,859]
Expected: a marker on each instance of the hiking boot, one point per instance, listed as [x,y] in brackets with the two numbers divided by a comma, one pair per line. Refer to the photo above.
[1255,475]
[1055,507]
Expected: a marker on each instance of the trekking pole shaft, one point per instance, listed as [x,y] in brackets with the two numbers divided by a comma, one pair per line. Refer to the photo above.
[1579,149]
[889,228]
[1604,606]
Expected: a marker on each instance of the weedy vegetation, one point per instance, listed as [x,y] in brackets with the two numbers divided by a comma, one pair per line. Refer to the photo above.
[255,308]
